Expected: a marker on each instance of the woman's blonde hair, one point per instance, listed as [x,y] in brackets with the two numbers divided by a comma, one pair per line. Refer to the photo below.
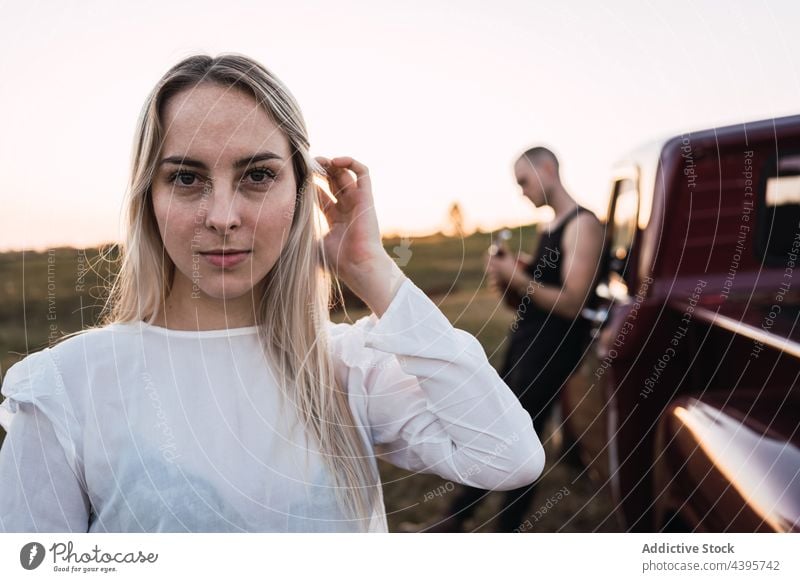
[293,312]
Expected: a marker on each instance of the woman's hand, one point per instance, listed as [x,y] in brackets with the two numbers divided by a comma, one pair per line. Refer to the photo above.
[353,247]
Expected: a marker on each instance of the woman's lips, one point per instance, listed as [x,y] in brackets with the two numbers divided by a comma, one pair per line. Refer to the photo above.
[226,260]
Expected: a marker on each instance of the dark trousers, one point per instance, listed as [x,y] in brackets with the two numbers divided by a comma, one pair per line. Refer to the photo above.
[537,363]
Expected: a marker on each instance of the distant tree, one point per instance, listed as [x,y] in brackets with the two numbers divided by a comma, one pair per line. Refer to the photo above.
[456,220]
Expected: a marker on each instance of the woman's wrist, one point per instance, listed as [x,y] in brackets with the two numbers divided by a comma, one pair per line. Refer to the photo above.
[376,283]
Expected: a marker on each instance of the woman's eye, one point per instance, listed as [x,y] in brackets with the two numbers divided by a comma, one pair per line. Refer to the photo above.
[186,179]
[183,178]
[261,175]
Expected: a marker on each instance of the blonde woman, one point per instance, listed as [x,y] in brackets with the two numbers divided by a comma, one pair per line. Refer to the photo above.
[216,394]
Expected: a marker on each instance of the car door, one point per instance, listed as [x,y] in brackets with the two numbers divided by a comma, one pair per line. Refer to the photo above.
[585,400]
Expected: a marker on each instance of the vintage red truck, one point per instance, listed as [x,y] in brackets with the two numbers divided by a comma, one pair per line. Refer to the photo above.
[686,403]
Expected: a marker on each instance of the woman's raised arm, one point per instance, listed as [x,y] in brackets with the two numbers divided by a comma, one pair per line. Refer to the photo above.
[432,401]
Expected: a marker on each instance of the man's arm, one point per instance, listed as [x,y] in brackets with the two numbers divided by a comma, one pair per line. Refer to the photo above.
[581,248]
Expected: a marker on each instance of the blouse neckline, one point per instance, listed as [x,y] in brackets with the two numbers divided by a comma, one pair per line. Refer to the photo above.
[189,333]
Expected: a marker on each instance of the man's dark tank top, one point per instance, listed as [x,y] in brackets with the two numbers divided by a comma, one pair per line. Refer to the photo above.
[545,269]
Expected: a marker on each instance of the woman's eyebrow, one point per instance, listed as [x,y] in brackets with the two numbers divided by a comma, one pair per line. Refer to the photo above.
[183,161]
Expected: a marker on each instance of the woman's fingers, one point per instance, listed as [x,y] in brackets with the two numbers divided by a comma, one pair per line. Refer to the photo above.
[360,170]
[341,181]
[325,201]
[349,192]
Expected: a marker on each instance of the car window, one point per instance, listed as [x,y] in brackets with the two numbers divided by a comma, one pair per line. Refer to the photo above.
[623,233]
[779,222]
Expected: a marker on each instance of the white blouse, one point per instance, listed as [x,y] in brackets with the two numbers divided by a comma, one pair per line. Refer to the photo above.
[138,428]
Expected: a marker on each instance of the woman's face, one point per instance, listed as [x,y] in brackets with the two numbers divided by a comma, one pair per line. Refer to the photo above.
[224,181]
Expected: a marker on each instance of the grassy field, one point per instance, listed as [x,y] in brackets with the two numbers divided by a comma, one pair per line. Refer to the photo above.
[46,295]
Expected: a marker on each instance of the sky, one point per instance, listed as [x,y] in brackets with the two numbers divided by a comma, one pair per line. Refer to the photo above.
[437,98]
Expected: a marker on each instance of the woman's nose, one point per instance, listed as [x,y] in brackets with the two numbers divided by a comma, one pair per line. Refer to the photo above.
[222,208]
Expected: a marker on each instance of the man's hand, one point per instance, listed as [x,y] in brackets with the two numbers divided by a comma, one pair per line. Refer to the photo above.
[505,273]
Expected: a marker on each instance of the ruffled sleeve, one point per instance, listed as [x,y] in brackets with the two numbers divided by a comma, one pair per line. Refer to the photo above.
[41,475]
[430,399]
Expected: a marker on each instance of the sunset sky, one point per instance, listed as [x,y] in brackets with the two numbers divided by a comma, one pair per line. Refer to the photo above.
[437,98]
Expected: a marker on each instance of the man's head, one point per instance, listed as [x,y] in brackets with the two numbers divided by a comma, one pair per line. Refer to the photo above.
[536,172]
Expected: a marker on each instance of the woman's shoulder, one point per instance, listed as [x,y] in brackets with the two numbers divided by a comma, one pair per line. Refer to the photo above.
[91,344]
[35,374]
[43,372]
[35,379]
[51,378]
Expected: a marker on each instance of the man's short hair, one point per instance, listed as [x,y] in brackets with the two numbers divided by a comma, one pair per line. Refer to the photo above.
[539,153]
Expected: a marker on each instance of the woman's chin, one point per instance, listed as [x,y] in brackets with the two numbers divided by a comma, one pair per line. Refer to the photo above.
[227,292]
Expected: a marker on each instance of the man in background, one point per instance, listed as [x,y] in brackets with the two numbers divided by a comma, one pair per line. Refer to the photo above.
[548,290]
